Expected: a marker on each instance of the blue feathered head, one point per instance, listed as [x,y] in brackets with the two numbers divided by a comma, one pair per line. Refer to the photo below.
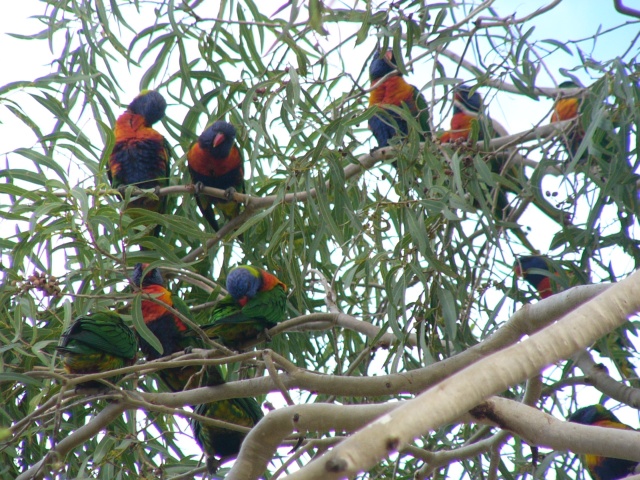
[150,104]
[218,139]
[153,277]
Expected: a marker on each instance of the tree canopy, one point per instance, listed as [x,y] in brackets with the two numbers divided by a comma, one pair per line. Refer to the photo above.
[410,348]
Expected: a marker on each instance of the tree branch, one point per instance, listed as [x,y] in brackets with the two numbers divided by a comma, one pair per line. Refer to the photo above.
[264,439]
[488,376]
[539,428]
[108,414]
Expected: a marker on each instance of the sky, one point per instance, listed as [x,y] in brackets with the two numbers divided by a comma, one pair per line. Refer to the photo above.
[572,19]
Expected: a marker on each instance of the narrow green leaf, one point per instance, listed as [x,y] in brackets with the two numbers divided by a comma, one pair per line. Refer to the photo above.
[142,329]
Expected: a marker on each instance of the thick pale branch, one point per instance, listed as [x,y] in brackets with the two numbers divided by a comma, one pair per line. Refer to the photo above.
[539,428]
[507,367]
[265,438]
[597,376]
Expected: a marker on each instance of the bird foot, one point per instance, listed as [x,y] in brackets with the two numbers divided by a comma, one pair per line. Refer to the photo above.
[213,464]
[197,187]
[156,190]
[229,193]
[267,337]
[188,350]
[122,190]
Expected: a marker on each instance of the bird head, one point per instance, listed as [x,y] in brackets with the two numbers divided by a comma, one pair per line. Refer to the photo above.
[218,139]
[381,65]
[464,101]
[153,277]
[150,105]
[569,84]
[591,414]
[528,262]
[243,283]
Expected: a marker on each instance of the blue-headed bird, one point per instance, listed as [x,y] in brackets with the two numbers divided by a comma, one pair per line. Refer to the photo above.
[215,161]
[603,468]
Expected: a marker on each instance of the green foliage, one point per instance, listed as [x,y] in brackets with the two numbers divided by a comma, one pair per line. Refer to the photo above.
[416,252]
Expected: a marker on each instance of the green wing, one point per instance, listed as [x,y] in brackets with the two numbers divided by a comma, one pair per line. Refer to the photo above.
[220,441]
[269,306]
[100,332]
[234,324]
[225,308]
[251,407]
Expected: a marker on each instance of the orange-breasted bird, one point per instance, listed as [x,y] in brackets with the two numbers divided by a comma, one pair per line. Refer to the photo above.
[467,112]
[140,155]
[468,116]
[603,468]
[394,92]
[169,329]
[535,271]
[215,161]
[567,108]
[256,301]
[524,268]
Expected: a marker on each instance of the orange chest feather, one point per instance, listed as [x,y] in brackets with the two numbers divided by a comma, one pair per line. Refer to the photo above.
[130,126]
[461,125]
[151,310]
[393,91]
[565,109]
[206,164]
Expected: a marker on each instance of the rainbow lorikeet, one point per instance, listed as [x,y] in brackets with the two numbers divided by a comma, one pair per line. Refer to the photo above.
[219,443]
[96,343]
[393,92]
[603,468]
[256,301]
[467,112]
[567,108]
[532,268]
[215,161]
[172,333]
[140,155]
[541,282]
[468,116]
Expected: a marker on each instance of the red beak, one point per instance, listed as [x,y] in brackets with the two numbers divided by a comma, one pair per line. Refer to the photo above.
[243,301]
[218,139]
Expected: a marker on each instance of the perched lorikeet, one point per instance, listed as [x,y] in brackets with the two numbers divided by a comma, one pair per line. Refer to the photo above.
[468,115]
[566,108]
[172,333]
[97,343]
[218,443]
[603,468]
[256,301]
[546,285]
[467,111]
[140,155]
[394,91]
[539,281]
[215,161]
